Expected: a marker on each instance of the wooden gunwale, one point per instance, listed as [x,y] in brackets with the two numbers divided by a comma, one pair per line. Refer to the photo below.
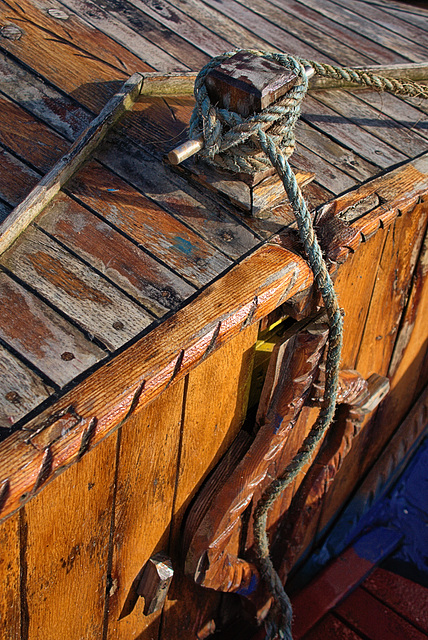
[173,348]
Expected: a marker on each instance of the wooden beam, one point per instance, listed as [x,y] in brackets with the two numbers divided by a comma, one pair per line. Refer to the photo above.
[81,149]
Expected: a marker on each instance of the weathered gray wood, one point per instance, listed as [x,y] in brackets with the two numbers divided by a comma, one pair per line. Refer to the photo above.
[148,224]
[126,13]
[378,124]
[116,257]
[349,134]
[388,39]
[189,29]
[341,32]
[42,336]
[17,179]
[52,182]
[96,305]
[20,389]
[96,15]
[339,156]
[310,33]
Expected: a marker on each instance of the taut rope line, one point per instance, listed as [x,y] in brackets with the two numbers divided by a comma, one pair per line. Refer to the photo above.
[250,145]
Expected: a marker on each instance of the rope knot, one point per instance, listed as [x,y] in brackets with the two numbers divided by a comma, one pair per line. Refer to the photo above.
[232,142]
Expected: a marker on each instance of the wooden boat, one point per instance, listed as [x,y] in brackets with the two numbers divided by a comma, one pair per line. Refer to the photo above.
[141,306]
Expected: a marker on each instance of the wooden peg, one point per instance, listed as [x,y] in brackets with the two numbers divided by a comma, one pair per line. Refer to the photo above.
[155,582]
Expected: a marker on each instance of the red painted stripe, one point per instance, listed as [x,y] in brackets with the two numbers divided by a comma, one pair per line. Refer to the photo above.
[374,620]
[405,597]
[331,628]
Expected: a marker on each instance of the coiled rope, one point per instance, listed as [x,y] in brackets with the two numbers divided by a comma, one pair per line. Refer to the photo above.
[248,146]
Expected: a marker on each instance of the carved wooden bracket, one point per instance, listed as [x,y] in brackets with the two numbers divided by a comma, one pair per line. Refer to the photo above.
[218,533]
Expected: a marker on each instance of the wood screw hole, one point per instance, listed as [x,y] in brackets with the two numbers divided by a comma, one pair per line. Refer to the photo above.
[118,325]
[11,32]
[67,356]
[13,396]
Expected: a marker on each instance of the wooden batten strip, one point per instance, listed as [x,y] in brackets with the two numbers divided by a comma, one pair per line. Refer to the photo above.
[81,149]
[125,385]
[181,84]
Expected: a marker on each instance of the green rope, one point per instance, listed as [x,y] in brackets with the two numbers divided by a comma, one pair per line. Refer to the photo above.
[249,145]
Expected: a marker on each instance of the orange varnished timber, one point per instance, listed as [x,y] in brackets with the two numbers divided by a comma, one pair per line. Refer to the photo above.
[10,589]
[215,406]
[146,479]
[244,295]
[65,542]
[213,556]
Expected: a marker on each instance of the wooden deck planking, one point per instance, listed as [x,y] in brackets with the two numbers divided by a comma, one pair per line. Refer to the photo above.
[21,390]
[135,164]
[122,262]
[323,44]
[388,39]
[267,30]
[131,16]
[389,21]
[77,291]
[18,178]
[212,19]
[341,32]
[349,133]
[43,337]
[52,45]
[131,39]
[406,13]
[147,224]
[377,123]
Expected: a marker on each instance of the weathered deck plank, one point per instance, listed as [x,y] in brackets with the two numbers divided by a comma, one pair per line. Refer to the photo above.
[20,389]
[76,290]
[42,336]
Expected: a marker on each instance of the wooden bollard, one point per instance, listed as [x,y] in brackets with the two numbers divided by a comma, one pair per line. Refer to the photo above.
[246,84]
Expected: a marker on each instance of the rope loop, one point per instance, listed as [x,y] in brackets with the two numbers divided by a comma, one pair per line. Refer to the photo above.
[249,145]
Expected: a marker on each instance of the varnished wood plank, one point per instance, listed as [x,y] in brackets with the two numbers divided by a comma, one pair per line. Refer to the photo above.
[210,424]
[68,164]
[168,352]
[147,467]
[98,307]
[349,134]
[393,280]
[341,31]
[20,389]
[374,620]
[43,337]
[125,264]
[377,33]
[65,549]
[147,224]
[10,591]
[135,19]
[376,122]
[134,41]
[354,286]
